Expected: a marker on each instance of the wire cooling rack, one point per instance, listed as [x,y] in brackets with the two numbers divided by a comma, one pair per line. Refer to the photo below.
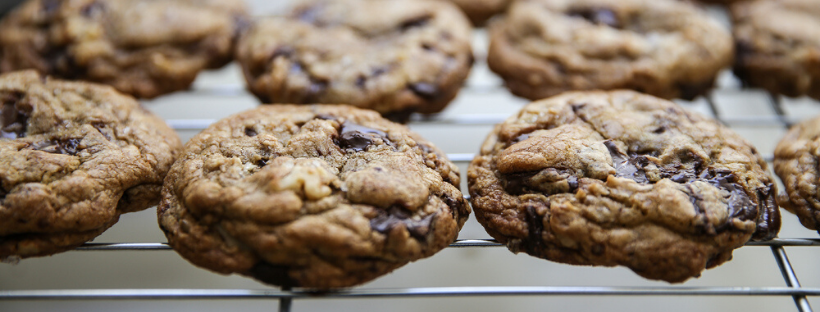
[286,297]
[776,117]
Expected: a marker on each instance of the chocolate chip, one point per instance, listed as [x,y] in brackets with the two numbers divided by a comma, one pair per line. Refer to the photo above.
[15,120]
[360,81]
[415,22]
[427,47]
[424,90]
[517,183]
[387,220]
[768,222]
[261,162]
[740,204]
[51,6]
[91,8]
[535,229]
[358,138]
[102,128]
[626,166]
[249,131]
[58,146]
[659,130]
[573,183]
[378,71]
[272,274]
[600,16]
[576,109]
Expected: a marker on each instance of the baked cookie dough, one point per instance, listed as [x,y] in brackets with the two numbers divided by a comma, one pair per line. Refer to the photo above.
[795,162]
[73,157]
[319,196]
[667,48]
[778,46]
[621,178]
[394,57]
[145,48]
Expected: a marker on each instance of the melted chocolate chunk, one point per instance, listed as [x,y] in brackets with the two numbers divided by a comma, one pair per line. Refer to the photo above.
[535,229]
[249,131]
[58,146]
[387,220]
[378,71]
[768,222]
[415,22]
[424,90]
[517,183]
[15,120]
[272,274]
[740,204]
[358,138]
[630,167]
[600,16]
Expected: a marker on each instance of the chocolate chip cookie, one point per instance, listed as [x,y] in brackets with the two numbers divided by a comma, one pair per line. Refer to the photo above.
[622,178]
[778,46]
[795,162]
[666,48]
[145,48]
[73,157]
[479,11]
[395,57]
[319,196]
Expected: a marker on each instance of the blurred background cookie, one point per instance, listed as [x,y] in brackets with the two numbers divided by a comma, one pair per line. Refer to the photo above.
[666,48]
[394,57]
[145,48]
[778,45]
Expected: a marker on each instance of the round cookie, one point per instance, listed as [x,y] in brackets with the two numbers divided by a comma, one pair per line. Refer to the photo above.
[145,48]
[778,46]
[395,57]
[666,48]
[319,196]
[479,11]
[73,157]
[795,162]
[621,178]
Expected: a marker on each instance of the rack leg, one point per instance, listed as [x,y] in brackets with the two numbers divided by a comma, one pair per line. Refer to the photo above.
[777,106]
[285,303]
[790,277]
[713,107]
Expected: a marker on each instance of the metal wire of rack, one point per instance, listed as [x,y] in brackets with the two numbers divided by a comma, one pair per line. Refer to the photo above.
[286,297]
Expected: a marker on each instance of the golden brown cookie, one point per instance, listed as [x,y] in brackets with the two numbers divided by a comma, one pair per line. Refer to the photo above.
[73,157]
[622,178]
[317,196]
